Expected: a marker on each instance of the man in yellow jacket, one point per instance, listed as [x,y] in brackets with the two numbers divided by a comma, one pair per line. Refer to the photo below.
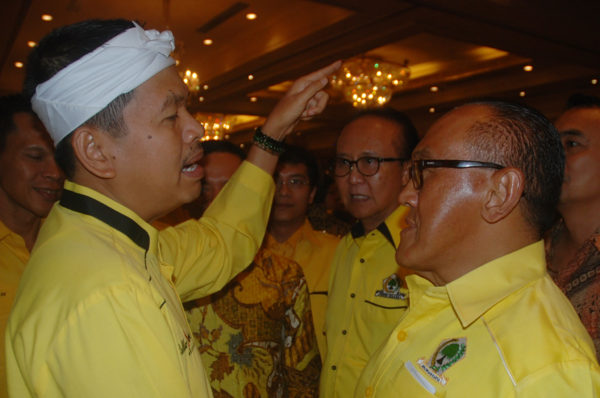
[485,319]
[367,293]
[98,311]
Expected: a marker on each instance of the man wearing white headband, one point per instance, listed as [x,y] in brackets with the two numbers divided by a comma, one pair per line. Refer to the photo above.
[98,311]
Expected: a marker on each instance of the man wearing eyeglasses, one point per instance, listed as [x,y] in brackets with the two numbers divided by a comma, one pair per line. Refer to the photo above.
[367,293]
[485,319]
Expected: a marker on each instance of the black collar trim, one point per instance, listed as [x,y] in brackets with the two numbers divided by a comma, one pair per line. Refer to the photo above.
[358,230]
[92,207]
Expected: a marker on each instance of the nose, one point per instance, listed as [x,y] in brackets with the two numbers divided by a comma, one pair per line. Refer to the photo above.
[355,177]
[192,130]
[409,196]
[52,171]
[282,188]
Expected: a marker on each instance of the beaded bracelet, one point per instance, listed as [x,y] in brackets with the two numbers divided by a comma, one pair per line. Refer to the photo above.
[267,143]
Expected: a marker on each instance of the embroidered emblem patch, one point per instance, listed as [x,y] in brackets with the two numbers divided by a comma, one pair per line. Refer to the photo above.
[447,354]
[391,288]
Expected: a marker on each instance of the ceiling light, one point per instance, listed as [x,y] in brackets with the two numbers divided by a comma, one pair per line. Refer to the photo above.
[368,82]
[207,42]
[18,64]
[250,77]
[522,93]
[47,17]
[200,99]
[253,99]
[594,81]
[205,87]
[31,43]
[251,16]
[191,80]
[528,68]
[434,89]
[432,110]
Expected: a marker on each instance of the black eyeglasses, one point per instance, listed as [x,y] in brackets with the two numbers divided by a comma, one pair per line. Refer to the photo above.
[292,183]
[366,165]
[416,167]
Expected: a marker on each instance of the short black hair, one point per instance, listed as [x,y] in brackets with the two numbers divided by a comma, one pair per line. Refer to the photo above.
[579,100]
[62,47]
[212,146]
[410,134]
[294,154]
[9,105]
[518,136]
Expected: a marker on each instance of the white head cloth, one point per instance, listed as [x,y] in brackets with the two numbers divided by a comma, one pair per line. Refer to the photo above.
[84,87]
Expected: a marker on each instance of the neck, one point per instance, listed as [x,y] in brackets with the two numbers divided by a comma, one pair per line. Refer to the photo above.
[21,222]
[481,250]
[581,220]
[282,231]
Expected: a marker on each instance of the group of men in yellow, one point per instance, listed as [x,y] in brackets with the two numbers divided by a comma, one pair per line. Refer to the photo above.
[440,289]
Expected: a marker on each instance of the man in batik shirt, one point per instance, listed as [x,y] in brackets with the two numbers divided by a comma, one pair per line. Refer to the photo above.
[256,336]
[573,245]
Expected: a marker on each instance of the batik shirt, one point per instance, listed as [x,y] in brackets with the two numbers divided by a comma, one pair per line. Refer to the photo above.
[580,280]
[256,336]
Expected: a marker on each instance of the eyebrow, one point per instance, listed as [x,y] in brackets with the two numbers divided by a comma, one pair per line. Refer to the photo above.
[172,99]
[575,133]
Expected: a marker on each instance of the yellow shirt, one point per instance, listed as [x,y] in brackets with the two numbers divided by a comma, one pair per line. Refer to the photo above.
[314,251]
[367,297]
[502,330]
[98,311]
[13,257]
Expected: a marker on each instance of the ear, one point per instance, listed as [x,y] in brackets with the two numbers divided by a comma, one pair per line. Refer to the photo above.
[91,148]
[311,197]
[504,194]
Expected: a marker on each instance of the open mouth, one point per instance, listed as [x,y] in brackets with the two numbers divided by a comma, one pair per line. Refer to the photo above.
[192,167]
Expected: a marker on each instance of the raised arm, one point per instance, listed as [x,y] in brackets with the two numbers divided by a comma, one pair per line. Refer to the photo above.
[304,100]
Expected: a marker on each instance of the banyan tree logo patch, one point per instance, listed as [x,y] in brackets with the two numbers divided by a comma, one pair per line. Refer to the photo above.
[447,354]
[391,288]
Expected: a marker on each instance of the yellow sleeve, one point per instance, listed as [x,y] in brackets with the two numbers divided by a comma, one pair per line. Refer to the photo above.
[208,252]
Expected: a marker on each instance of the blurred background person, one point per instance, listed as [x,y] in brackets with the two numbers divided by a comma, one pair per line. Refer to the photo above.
[30,183]
[573,244]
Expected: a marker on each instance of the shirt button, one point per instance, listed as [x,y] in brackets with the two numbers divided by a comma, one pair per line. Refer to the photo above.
[344,332]
[352,295]
[369,392]
[401,335]
[333,367]
[362,260]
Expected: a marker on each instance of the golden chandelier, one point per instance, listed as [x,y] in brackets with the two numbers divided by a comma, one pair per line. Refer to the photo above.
[368,82]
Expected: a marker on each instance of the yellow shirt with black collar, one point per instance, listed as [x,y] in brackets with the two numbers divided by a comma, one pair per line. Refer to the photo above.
[367,297]
[502,330]
[98,310]
[313,250]
[13,257]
